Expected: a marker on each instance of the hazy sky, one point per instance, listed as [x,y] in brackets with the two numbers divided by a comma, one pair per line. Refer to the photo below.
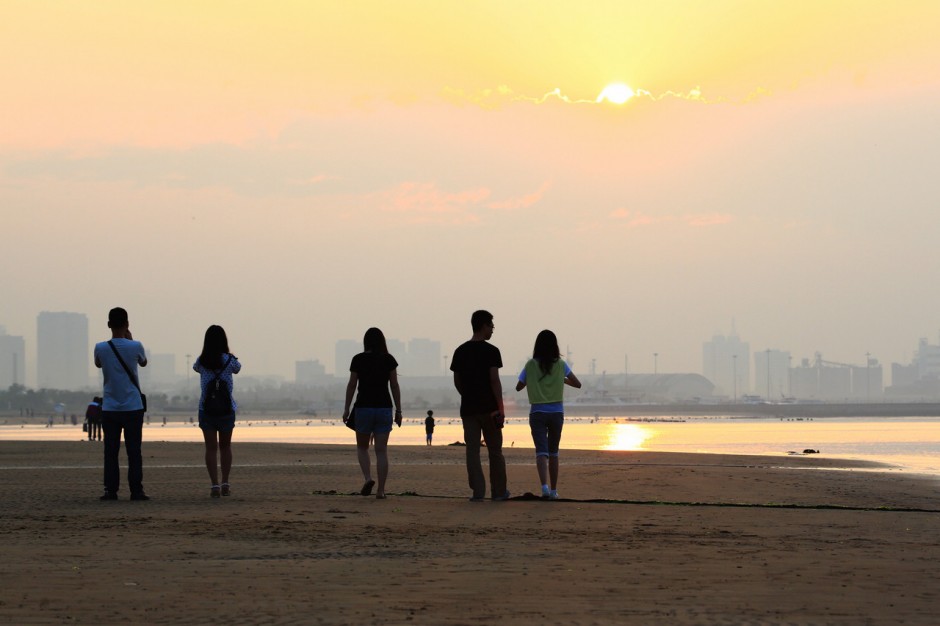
[299,171]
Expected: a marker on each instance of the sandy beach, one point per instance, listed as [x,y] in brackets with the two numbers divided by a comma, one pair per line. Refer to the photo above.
[640,538]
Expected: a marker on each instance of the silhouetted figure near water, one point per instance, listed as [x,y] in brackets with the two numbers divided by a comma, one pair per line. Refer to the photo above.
[429,426]
[93,415]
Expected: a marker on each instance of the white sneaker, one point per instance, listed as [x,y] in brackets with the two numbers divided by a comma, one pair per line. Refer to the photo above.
[553,495]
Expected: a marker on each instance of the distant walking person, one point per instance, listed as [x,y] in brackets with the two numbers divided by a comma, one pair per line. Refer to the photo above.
[429,426]
[545,376]
[122,407]
[93,417]
[374,371]
[476,366]
[217,407]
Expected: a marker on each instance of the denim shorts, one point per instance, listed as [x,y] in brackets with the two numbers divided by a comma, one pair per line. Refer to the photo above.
[370,421]
[546,432]
[223,424]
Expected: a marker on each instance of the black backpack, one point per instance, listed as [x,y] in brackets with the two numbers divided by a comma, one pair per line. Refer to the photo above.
[218,397]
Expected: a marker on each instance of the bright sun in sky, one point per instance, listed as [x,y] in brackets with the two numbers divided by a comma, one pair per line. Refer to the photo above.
[617,93]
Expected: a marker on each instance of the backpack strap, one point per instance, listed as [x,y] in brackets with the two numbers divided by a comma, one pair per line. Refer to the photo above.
[221,371]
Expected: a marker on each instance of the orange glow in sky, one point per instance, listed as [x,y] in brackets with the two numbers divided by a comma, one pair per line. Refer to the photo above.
[402,164]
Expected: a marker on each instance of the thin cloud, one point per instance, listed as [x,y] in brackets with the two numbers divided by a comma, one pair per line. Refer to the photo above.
[495,98]
[637,219]
[424,202]
[522,202]
[709,219]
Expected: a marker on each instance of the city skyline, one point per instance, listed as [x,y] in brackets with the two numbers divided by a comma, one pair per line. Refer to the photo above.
[733,356]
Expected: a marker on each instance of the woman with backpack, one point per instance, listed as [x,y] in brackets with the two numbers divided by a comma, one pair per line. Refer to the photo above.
[217,406]
[374,371]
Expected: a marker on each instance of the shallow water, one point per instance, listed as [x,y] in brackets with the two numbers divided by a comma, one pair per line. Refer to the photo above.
[911,444]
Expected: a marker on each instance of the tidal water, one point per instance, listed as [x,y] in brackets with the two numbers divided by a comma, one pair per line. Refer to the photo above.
[909,444]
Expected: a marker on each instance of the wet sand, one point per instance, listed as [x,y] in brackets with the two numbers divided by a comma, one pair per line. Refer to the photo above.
[641,538]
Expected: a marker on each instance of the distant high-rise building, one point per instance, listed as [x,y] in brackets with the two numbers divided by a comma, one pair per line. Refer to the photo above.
[927,360]
[398,350]
[424,358]
[309,373]
[12,360]
[726,363]
[346,349]
[62,355]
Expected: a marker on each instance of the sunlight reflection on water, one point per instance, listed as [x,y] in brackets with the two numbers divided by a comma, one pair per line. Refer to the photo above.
[912,443]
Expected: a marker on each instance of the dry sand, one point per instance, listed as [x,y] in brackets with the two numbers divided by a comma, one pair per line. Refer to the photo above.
[646,538]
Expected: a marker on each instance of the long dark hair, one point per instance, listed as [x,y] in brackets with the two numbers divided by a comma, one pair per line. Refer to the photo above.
[546,351]
[213,347]
[374,341]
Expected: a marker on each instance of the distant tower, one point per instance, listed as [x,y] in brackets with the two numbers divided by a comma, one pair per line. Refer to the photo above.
[62,355]
[726,363]
[12,360]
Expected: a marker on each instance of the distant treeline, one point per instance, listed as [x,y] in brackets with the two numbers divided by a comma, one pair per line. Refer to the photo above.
[323,401]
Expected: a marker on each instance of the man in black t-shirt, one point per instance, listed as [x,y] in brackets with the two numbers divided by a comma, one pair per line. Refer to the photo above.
[476,366]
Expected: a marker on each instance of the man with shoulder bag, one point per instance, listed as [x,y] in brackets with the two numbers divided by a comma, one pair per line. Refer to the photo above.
[123,406]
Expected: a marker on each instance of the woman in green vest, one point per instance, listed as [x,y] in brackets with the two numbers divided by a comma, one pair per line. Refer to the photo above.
[545,376]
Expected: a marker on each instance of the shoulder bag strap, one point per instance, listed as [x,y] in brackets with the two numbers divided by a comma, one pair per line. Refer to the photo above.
[126,369]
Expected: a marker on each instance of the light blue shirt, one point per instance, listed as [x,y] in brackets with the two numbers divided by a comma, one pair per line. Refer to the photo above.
[120,394]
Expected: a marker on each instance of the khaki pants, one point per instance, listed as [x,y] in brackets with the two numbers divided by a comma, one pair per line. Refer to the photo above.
[473,427]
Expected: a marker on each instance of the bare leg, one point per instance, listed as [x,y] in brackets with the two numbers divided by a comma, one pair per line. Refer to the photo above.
[362,452]
[553,471]
[212,454]
[541,463]
[381,461]
[225,448]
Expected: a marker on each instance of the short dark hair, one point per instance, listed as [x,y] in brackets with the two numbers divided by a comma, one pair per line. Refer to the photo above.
[479,319]
[117,318]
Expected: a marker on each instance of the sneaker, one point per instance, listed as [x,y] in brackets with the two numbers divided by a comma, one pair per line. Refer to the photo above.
[477,499]
[546,492]
[226,489]
[109,495]
[501,498]
[553,495]
[140,495]
[215,491]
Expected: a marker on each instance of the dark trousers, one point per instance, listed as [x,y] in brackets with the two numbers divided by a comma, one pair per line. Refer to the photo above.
[473,427]
[132,424]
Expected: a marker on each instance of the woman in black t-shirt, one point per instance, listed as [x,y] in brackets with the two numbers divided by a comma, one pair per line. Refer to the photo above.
[374,371]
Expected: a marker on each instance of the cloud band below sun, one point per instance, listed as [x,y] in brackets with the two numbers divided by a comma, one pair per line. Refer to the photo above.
[613,94]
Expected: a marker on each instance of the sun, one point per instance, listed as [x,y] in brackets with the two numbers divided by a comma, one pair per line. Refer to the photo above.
[616,93]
